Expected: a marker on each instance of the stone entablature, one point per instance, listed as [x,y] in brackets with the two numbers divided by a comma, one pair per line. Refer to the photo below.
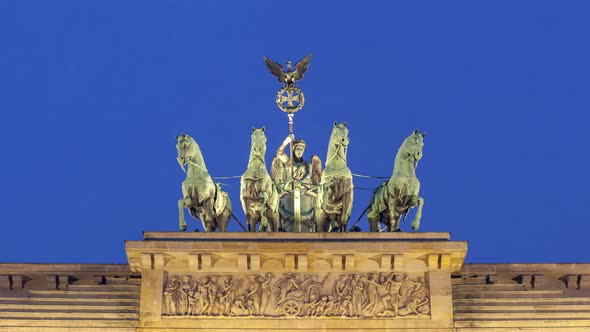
[570,277]
[523,297]
[97,297]
[217,281]
[68,297]
[18,276]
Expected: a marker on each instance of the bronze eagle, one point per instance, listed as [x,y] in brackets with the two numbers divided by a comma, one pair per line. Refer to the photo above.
[290,76]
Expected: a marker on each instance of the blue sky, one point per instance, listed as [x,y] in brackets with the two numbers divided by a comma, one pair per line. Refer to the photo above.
[93,93]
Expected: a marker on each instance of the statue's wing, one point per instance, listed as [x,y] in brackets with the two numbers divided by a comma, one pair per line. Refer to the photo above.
[301,67]
[316,170]
[277,170]
[275,69]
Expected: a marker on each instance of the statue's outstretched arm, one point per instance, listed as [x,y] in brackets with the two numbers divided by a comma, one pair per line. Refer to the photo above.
[281,150]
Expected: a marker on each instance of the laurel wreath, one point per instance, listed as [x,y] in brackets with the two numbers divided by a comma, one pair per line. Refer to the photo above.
[294,108]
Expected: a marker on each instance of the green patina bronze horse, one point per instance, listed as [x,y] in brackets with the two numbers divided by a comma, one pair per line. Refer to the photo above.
[200,195]
[336,188]
[258,194]
[394,198]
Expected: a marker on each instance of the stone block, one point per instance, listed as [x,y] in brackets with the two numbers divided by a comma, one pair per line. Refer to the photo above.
[338,262]
[242,262]
[193,262]
[386,262]
[301,262]
[52,282]
[63,282]
[158,261]
[255,262]
[349,262]
[17,281]
[585,281]
[290,262]
[205,261]
[433,261]
[5,282]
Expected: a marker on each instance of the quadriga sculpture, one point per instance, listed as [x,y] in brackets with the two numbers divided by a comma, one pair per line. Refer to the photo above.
[336,188]
[395,197]
[258,194]
[203,198]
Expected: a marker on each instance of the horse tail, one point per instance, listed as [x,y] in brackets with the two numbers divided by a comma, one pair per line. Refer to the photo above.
[213,206]
[221,201]
[193,212]
[379,198]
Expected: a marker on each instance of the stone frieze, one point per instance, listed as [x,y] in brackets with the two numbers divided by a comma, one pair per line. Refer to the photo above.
[311,295]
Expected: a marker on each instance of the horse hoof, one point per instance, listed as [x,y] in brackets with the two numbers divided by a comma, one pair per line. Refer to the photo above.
[398,230]
[335,229]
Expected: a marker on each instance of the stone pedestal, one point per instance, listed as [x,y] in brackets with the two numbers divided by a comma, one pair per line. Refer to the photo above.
[296,281]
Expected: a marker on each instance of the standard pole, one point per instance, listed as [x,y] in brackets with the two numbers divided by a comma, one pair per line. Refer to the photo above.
[296,192]
[291,115]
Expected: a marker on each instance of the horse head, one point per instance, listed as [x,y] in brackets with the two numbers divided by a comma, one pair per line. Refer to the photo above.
[258,150]
[183,147]
[338,143]
[188,151]
[340,134]
[412,146]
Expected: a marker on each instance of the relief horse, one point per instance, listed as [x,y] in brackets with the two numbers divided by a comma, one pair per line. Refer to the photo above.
[258,194]
[394,198]
[203,198]
[336,187]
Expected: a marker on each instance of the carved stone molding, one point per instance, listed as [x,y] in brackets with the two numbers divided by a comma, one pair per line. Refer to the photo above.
[310,295]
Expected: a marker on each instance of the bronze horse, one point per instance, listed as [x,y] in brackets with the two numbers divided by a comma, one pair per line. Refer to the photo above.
[200,195]
[257,192]
[394,198]
[336,187]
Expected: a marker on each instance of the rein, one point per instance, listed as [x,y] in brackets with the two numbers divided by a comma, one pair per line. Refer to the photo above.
[255,158]
[197,166]
[339,147]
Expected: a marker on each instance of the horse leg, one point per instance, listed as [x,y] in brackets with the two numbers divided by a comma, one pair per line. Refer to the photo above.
[418,217]
[251,216]
[373,218]
[393,215]
[208,216]
[264,226]
[181,222]
[395,224]
[223,219]
[318,215]
[326,222]
[276,220]
[226,214]
[250,220]
[346,206]
[272,219]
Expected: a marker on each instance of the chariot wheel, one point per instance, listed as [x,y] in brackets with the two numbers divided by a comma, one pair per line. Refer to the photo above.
[291,308]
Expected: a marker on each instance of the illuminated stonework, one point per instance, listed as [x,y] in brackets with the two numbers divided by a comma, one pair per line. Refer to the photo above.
[361,295]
